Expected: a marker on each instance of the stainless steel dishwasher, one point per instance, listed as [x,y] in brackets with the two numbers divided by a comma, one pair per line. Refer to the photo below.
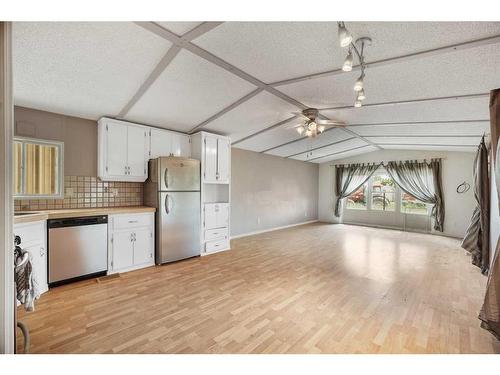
[77,248]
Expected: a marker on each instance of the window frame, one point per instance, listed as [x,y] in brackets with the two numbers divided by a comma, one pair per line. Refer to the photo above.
[398,199]
[59,169]
[427,206]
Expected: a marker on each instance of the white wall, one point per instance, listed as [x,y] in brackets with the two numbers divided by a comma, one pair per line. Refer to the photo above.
[268,192]
[457,167]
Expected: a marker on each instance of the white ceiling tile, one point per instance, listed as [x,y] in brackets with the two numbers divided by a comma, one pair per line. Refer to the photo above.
[188,92]
[431,148]
[359,151]
[470,71]
[257,113]
[459,109]
[281,134]
[431,139]
[455,128]
[83,69]
[331,150]
[282,50]
[305,144]
[178,27]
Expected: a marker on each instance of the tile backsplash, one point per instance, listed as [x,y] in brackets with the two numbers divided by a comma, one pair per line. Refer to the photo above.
[88,192]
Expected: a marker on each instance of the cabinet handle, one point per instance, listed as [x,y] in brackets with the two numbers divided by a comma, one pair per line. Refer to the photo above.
[42,251]
[133,221]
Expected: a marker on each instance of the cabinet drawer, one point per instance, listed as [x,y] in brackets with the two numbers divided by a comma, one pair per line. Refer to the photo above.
[217,245]
[213,234]
[132,221]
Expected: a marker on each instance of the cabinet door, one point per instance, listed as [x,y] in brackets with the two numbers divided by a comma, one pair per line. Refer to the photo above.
[183,146]
[143,246]
[39,263]
[161,142]
[116,149]
[210,171]
[123,250]
[137,147]
[222,215]
[223,159]
[210,217]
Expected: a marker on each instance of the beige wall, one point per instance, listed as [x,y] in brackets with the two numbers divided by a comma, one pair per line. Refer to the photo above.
[269,191]
[79,137]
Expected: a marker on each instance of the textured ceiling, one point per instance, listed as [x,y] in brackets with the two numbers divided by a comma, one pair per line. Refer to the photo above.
[208,80]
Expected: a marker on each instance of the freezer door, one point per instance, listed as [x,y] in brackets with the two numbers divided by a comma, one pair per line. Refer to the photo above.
[179,174]
[178,226]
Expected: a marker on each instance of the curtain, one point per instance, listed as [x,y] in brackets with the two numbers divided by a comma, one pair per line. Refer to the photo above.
[490,312]
[349,178]
[423,181]
[477,237]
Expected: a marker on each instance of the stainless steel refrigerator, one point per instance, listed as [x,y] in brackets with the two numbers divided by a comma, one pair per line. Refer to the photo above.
[173,188]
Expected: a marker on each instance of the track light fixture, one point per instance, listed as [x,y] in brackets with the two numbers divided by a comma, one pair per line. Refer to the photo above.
[345,40]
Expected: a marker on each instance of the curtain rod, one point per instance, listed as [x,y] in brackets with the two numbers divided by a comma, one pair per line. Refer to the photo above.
[387,161]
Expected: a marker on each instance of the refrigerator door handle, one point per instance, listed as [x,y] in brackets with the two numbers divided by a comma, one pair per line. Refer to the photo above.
[167,208]
[165,176]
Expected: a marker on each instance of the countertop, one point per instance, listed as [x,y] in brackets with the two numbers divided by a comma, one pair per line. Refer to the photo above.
[78,212]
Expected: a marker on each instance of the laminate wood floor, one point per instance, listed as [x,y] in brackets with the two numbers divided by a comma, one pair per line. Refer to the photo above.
[315,288]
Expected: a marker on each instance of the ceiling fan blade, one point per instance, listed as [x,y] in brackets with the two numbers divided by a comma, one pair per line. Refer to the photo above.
[292,126]
[330,123]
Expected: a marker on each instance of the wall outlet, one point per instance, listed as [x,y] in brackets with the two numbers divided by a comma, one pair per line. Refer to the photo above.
[69,193]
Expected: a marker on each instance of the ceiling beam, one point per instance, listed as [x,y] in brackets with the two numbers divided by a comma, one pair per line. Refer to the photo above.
[425,144]
[204,54]
[320,147]
[397,59]
[225,110]
[339,152]
[424,136]
[382,124]
[413,101]
[164,62]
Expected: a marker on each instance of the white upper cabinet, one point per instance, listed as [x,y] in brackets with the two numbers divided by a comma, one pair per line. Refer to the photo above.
[125,148]
[217,156]
[168,143]
[161,143]
[122,151]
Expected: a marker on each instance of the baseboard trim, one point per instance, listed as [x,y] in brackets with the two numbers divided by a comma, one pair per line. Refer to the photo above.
[273,229]
[434,233]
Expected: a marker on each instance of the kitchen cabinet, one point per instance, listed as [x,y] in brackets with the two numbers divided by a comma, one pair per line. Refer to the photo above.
[216,215]
[122,151]
[216,155]
[168,143]
[131,242]
[33,239]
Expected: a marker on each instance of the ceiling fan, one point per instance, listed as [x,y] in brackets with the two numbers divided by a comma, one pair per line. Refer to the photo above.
[312,126]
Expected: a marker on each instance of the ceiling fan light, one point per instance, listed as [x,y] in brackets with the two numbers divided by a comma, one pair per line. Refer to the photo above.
[345,36]
[321,128]
[357,103]
[300,130]
[308,133]
[347,67]
[361,95]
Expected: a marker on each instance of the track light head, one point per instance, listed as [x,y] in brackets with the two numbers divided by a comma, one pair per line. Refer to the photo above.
[358,86]
[345,37]
[357,103]
[361,95]
[347,67]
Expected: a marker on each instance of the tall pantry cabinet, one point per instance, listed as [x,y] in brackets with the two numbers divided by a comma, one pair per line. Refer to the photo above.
[214,152]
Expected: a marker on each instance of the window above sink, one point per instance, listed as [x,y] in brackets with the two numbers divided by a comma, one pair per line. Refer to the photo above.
[38,168]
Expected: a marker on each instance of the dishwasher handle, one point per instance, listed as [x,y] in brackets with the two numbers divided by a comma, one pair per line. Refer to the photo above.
[77,221]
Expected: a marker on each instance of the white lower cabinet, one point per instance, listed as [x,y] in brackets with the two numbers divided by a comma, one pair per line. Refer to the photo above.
[131,242]
[216,227]
[34,240]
